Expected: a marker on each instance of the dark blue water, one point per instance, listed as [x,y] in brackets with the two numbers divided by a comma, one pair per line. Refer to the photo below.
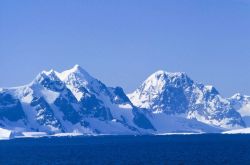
[181,150]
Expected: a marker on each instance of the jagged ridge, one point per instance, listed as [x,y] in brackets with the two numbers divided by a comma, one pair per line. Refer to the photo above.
[74,101]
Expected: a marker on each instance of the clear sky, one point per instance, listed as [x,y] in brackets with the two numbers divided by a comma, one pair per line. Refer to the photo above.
[121,42]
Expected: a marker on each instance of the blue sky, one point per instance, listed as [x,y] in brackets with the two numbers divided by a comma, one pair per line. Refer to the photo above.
[121,42]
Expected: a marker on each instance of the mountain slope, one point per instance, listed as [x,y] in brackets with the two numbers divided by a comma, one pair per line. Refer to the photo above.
[176,94]
[109,104]
[71,101]
[242,104]
[74,102]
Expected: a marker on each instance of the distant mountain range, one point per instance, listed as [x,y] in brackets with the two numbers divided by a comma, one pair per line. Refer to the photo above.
[75,102]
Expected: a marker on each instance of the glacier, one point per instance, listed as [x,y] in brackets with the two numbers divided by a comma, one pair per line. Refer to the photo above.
[73,102]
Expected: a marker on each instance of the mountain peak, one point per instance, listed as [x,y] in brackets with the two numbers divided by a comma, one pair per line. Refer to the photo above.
[211,89]
[166,75]
[159,73]
[170,102]
[51,74]
[162,78]
[170,74]
[239,96]
[76,70]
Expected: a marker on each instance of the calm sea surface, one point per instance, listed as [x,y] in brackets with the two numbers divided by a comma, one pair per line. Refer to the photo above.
[118,150]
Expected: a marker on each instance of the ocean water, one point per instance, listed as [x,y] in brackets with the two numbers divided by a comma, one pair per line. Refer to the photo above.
[118,150]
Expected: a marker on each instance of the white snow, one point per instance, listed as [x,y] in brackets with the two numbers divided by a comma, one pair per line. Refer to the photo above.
[75,70]
[50,96]
[5,134]
[154,86]
[245,110]
[69,134]
[209,87]
[28,98]
[242,104]
[238,131]
[178,124]
[125,106]
[77,78]
[34,134]
[48,72]
[149,95]
[203,105]
[187,133]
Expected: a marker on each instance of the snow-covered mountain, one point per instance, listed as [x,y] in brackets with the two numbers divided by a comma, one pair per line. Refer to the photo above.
[71,101]
[175,94]
[242,104]
[75,102]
